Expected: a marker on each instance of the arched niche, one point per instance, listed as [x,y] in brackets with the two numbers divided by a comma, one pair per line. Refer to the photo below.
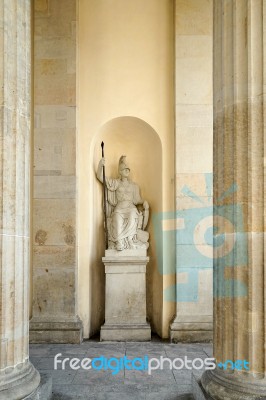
[137,140]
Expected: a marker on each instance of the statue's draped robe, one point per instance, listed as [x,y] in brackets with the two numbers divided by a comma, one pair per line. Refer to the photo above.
[121,207]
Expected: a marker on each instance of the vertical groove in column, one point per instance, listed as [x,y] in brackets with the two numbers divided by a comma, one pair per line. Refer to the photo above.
[27,176]
[255,187]
[228,173]
[3,272]
[241,174]
[1,175]
[20,187]
[264,178]
[14,111]
[218,177]
[24,118]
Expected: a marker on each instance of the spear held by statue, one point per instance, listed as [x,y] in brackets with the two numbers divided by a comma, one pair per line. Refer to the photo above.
[104,200]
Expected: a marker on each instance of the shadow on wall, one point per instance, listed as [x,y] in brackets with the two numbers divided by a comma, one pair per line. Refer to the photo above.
[137,140]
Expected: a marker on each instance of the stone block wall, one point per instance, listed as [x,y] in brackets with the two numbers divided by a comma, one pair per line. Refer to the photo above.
[194,140]
[108,73]
[54,205]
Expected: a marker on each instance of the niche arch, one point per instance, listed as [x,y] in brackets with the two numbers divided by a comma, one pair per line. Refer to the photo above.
[133,137]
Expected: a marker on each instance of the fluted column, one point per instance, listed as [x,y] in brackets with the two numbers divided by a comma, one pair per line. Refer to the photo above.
[18,377]
[239,151]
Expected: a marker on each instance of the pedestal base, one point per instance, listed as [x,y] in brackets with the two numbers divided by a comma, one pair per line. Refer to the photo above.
[125,303]
[120,333]
[67,331]
[192,329]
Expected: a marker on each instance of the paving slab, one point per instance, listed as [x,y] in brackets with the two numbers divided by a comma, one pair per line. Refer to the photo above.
[162,384]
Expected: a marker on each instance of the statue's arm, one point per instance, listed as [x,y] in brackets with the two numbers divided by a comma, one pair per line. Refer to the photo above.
[99,172]
[138,198]
[111,183]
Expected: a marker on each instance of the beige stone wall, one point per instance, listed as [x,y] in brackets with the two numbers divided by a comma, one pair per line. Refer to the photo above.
[54,207]
[126,97]
[194,131]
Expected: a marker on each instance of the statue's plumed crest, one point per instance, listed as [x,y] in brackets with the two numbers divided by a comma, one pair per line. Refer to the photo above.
[122,164]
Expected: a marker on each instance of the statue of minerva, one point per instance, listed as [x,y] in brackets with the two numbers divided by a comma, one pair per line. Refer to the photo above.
[125,222]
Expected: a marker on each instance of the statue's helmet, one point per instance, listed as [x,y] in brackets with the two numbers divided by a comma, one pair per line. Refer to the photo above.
[122,164]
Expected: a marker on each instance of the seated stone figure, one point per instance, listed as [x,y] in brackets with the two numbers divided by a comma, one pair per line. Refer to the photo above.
[125,222]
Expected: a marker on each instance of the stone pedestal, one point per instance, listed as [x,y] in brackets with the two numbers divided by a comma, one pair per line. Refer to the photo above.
[125,301]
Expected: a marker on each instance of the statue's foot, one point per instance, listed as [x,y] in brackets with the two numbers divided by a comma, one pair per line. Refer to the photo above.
[131,243]
[141,245]
[119,246]
[137,244]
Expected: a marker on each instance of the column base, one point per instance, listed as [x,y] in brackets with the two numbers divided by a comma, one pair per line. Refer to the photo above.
[56,331]
[43,391]
[223,386]
[192,329]
[197,390]
[125,333]
[19,382]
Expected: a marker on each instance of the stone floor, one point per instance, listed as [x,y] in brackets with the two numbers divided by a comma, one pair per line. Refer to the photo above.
[165,384]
